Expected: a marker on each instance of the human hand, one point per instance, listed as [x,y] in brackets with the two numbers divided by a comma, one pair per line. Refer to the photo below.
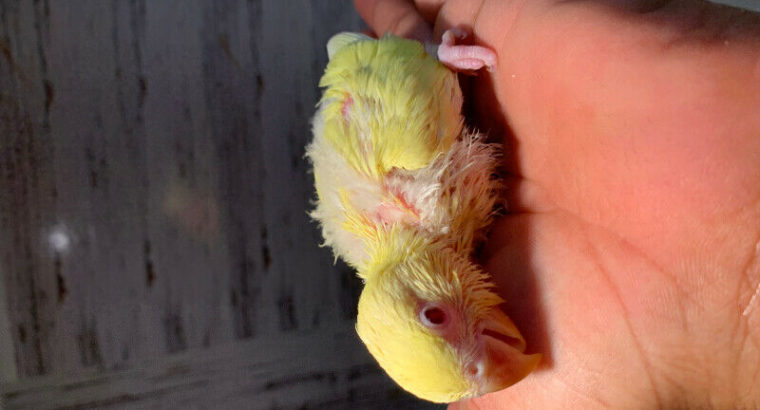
[630,254]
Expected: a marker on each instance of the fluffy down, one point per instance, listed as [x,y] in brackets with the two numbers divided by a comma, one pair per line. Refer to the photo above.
[404,193]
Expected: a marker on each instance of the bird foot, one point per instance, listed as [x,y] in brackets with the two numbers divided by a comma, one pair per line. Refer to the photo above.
[463,58]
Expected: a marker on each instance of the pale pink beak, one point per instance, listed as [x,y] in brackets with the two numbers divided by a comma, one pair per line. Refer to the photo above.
[502,362]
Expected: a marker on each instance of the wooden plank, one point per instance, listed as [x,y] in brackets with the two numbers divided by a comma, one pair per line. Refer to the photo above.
[8,371]
[27,181]
[325,369]
[290,68]
[154,190]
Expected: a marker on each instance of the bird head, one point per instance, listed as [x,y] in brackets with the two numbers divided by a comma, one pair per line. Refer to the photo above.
[432,322]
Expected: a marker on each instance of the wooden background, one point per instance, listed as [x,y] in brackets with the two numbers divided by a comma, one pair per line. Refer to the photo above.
[155,250]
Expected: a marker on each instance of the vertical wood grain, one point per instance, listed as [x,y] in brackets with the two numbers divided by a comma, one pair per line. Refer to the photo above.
[154,187]
[27,180]
[8,371]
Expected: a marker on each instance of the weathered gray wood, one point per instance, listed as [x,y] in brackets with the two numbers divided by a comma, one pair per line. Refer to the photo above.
[162,143]
[264,373]
[8,371]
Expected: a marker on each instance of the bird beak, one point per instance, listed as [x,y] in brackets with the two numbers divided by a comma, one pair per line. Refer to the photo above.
[503,362]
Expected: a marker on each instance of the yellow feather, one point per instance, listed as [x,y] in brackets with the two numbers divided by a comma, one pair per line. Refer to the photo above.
[404,194]
[407,269]
[389,104]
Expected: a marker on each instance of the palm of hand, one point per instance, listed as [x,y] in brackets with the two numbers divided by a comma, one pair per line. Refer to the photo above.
[630,255]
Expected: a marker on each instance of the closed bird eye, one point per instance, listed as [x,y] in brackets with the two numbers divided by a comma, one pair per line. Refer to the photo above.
[434,317]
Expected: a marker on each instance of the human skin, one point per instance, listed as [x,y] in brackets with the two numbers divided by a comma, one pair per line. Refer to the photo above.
[630,252]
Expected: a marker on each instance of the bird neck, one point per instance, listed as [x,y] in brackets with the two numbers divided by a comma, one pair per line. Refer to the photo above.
[389,246]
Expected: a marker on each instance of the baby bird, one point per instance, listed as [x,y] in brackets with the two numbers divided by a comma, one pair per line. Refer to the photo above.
[404,193]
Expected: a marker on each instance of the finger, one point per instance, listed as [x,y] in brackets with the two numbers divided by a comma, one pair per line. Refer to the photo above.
[520,195]
[429,9]
[398,17]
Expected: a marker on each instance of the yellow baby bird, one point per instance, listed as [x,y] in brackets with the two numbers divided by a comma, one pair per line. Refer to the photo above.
[404,193]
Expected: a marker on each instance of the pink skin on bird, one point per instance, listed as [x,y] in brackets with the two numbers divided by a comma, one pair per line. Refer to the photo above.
[463,58]
[457,58]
